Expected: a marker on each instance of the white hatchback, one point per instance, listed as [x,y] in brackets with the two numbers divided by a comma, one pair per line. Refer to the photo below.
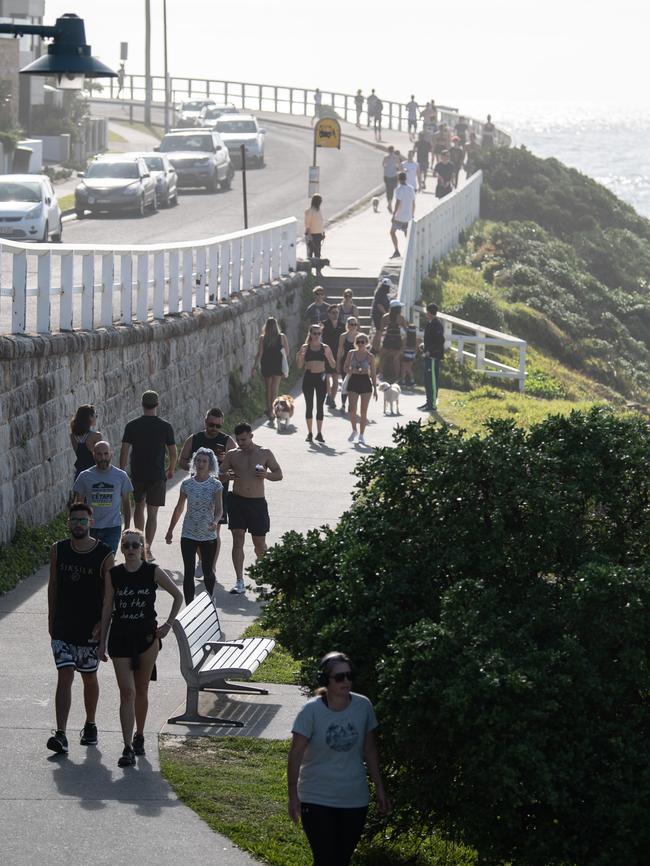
[29,209]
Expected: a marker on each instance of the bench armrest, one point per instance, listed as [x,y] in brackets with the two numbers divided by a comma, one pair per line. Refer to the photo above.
[211,644]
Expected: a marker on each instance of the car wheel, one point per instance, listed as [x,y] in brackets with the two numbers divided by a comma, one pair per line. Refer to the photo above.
[174,201]
[213,184]
[46,234]
[154,203]
[226,183]
[80,213]
[141,211]
[57,237]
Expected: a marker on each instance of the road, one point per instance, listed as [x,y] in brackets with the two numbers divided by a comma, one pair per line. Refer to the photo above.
[275,192]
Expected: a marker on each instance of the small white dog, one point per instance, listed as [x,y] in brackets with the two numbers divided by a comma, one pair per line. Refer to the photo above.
[375,204]
[391,397]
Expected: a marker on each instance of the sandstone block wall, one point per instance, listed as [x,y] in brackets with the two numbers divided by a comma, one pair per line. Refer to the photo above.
[188,359]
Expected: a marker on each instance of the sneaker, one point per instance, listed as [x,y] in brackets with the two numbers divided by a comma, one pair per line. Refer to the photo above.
[199,569]
[88,736]
[319,437]
[309,438]
[138,744]
[352,436]
[362,441]
[425,408]
[58,743]
[396,255]
[127,758]
[238,588]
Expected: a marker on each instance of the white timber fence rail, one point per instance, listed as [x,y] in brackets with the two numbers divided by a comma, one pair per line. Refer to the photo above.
[459,334]
[277,98]
[435,234]
[60,287]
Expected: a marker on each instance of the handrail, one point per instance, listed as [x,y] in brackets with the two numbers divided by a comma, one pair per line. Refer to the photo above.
[130,283]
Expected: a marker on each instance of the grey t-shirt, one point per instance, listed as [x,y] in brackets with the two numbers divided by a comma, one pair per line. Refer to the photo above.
[104,491]
[332,772]
[199,512]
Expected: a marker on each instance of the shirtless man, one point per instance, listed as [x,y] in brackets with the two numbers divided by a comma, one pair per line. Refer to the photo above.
[248,467]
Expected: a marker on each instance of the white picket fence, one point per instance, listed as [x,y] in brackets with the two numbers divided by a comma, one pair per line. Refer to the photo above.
[60,287]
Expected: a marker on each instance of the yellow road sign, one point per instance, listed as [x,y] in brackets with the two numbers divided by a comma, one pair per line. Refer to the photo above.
[327,133]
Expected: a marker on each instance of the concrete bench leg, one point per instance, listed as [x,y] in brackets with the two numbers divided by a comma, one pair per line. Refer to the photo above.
[192,715]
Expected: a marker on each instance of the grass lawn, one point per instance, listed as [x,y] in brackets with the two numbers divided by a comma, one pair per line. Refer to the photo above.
[238,787]
[115,137]
[280,666]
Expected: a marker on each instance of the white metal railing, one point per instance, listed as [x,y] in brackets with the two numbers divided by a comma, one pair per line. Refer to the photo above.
[433,235]
[482,339]
[59,287]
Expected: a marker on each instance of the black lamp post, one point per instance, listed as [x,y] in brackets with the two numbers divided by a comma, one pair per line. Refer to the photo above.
[68,56]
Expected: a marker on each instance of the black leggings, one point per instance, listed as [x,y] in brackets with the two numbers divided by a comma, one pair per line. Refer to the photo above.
[332,833]
[314,383]
[207,550]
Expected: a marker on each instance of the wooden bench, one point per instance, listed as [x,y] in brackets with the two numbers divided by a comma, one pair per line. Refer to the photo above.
[207,661]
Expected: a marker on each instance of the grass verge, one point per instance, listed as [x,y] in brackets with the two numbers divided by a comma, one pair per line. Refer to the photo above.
[115,137]
[280,666]
[28,550]
[238,787]
[66,202]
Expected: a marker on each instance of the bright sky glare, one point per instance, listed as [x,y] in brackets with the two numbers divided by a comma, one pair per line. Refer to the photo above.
[564,52]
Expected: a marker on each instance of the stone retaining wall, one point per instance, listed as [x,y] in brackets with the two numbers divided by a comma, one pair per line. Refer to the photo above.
[188,359]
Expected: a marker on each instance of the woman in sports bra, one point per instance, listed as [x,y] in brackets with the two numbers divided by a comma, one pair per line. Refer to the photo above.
[346,344]
[391,346]
[360,366]
[314,356]
[83,437]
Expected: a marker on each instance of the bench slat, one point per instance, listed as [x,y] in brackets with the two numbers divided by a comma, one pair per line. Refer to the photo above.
[254,652]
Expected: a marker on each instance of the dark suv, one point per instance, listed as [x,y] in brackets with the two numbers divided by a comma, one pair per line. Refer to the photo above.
[113,183]
[199,157]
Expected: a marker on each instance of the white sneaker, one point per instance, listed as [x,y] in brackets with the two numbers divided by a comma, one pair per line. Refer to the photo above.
[238,588]
[199,569]
[352,436]
[362,441]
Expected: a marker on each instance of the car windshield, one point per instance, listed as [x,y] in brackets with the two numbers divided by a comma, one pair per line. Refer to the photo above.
[192,106]
[236,126]
[113,169]
[199,143]
[154,163]
[20,192]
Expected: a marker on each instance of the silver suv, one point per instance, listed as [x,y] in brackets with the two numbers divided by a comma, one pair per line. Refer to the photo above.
[199,157]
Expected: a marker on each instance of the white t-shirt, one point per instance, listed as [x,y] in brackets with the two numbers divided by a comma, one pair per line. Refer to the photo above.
[411,169]
[405,197]
[199,511]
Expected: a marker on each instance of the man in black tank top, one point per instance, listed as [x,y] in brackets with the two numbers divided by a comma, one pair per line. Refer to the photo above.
[79,566]
[212,437]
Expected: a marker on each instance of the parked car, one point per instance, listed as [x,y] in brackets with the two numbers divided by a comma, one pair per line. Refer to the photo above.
[114,183]
[164,173]
[29,209]
[238,129]
[211,113]
[200,158]
[188,113]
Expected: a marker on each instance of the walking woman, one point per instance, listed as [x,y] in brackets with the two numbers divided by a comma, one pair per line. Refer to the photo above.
[203,493]
[391,347]
[314,356]
[269,360]
[84,437]
[347,308]
[314,229]
[333,736]
[360,365]
[332,330]
[346,344]
[135,637]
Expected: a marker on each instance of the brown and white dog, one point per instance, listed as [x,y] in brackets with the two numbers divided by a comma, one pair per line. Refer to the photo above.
[283,407]
[391,397]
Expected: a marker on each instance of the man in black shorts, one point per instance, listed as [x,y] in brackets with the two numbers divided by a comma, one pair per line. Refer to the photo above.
[248,467]
[212,437]
[149,437]
[79,567]
[444,174]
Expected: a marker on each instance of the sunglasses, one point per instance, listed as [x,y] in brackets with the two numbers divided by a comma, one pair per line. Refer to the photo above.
[82,521]
[315,333]
[218,426]
[344,675]
[130,545]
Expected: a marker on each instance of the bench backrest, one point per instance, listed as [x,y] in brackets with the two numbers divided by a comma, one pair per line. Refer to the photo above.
[194,626]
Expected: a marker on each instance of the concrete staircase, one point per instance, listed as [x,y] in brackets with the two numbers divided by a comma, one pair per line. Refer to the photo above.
[363,289]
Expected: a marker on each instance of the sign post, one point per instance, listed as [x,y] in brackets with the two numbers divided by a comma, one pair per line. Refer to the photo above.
[327,133]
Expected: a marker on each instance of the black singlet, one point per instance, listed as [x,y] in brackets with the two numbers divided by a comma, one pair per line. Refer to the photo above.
[85,458]
[202,440]
[135,595]
[79,591]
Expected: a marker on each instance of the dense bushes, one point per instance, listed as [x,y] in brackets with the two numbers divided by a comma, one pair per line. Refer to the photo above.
[492,593]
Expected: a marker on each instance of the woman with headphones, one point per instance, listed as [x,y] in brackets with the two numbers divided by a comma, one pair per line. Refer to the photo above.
[333,735]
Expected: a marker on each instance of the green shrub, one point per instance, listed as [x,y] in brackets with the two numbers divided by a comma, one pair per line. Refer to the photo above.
[481,308]
[29,549]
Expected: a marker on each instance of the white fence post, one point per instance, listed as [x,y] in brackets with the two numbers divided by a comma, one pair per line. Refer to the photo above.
[126,288]
[159,284]
[173,281]
[106,318]
[480,352]
[67,283]
[522,367]
[200,277]
[235,264]
[142,295]
[224,266]
[19,293]
[213,285]
[267,245]
[247,263]
[43,298]
[87,290]
[188,280]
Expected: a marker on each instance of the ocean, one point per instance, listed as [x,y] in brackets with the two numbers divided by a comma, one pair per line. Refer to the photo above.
[612,146]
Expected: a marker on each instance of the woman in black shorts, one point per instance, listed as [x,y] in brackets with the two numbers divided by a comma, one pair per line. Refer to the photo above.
[135,636]
[269,361]
[314,356]
[346,344]
[360,366]
[332,330]
[391,345]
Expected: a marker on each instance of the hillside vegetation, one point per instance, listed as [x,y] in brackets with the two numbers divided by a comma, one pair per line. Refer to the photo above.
[560,261]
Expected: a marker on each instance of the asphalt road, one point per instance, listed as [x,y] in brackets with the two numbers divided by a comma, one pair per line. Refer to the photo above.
[274,192]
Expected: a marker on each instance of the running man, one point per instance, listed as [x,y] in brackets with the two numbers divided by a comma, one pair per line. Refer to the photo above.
[79,567]
[248,467]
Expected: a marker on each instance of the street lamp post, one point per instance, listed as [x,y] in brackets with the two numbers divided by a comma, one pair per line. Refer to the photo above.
[166,69]
[147,62]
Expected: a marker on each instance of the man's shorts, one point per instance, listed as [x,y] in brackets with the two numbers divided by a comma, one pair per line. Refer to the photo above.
[399,226]
[251,515]
[69,655]
[151,491]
